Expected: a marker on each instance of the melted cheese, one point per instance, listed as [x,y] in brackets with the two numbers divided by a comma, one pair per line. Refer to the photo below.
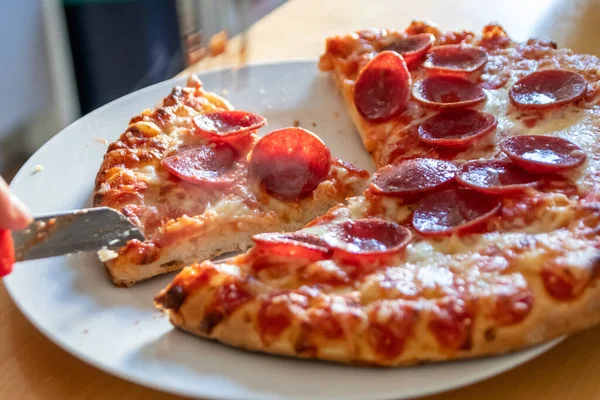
[105,254]
[149,175]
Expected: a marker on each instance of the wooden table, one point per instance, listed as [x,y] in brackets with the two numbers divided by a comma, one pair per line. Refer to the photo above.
[31,367]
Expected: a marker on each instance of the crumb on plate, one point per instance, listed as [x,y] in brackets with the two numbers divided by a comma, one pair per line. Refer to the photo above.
[105,254]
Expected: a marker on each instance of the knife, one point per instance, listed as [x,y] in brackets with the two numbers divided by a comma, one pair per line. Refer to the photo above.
[89,229]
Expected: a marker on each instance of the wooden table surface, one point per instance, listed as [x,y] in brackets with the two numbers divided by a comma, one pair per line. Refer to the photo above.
[32,367]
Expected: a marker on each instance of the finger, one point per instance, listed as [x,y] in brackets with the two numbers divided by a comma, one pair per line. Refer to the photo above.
[13,213]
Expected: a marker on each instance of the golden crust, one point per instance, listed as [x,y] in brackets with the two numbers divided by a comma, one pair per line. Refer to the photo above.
[545,326]
[548,318]
[183,222]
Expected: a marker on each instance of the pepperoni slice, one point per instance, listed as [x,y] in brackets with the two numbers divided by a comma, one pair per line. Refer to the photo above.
[496,177]
[455,58]
[382,88]
[227,123]
[206,165]
[453,211]
[7,252]
[546,89]
[413,176]
[366,241]
[290,163]
[456,128]
[447,92]
[297,244]
[412,47]
[543,154]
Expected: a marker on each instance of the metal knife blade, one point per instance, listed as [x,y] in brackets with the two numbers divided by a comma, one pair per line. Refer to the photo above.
[68,232]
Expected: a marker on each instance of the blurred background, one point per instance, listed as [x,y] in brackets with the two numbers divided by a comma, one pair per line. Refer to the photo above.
[62,59]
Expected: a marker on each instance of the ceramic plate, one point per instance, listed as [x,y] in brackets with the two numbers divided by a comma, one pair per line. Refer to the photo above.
[118,330]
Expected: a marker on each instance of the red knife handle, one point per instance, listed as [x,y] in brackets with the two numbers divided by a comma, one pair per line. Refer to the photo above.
[7,252]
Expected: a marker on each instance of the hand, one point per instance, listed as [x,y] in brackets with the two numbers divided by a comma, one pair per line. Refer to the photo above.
[14,215]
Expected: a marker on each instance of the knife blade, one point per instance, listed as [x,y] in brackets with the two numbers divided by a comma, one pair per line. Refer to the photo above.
[89,229]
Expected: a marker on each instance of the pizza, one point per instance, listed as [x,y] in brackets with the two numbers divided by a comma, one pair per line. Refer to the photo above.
[198,181]
[477,235]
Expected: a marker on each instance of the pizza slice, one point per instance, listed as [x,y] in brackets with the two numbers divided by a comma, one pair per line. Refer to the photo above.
[445,94]
[477,235]
[199,182]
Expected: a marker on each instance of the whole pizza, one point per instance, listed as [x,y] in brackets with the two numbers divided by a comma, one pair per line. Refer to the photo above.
[477,234]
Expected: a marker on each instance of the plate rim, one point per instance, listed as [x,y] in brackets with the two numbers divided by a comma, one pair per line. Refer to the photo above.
[529,353]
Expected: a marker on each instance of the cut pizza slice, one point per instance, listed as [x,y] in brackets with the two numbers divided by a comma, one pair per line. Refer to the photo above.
[425,92]
[199,182]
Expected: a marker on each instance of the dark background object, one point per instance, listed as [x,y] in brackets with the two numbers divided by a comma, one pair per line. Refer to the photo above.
[120,46]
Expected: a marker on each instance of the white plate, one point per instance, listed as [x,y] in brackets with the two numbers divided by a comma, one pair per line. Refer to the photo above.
[117,330]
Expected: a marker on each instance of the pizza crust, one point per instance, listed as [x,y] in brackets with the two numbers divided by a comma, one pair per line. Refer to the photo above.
[549,319]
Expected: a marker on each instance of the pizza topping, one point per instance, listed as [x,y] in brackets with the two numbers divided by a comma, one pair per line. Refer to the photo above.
[382,88]
[548,88]
[543,154]
[453,211]
[565,278]
[204,165]
[331,316]
[447,92]
[496,177]
[451,324]
[276,313]
[413,176]
[391,324]
[297,244]
[199,275]
[7,252]
[366,240]
[227,298]
[455,58]
[322,321]
[226,123]
[290,163]
[513,300]
[456,127]
[412,47]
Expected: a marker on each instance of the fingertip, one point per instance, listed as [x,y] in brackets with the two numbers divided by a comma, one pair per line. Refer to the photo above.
[20,215]
[22,223]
